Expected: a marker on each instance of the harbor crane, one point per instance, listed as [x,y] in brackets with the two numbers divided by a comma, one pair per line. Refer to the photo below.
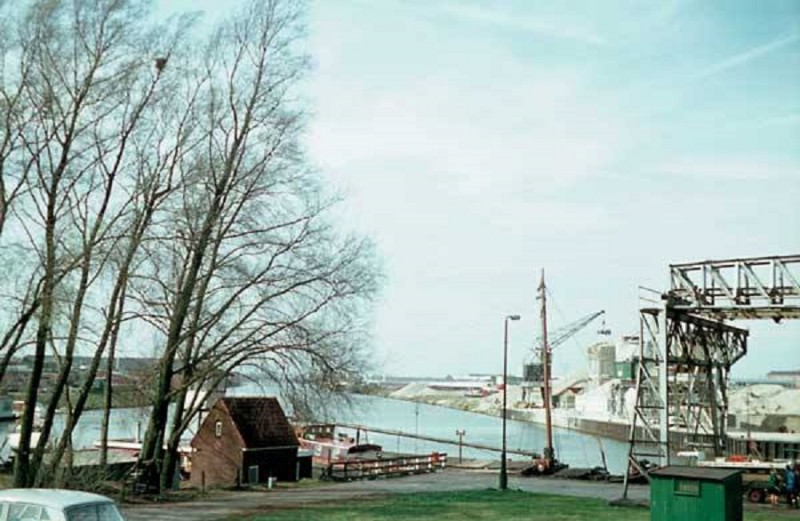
[543,372]
[563,334]
[532,368]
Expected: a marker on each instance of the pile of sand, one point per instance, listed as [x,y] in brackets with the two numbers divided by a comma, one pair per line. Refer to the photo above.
[411,391]
[764,399]
[455,398]
[423,392]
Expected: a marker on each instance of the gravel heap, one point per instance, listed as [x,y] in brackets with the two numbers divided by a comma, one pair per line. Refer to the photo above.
[764,399]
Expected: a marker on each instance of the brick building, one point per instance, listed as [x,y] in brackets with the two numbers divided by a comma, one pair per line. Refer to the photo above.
[245,440]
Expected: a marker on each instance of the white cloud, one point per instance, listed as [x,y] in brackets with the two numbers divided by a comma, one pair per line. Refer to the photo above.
[730,168]
[747,56]
[490,136]
[475,154]
[551,27]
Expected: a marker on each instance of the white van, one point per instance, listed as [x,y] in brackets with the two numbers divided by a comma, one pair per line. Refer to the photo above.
[38,504]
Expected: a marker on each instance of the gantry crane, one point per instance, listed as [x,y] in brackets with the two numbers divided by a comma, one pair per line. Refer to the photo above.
[687,348]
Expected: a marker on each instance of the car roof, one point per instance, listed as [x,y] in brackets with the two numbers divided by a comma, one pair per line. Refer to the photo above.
[53,498]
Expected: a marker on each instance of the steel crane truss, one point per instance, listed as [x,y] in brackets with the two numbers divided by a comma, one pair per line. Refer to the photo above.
[700,353]
[682,404]
[697,341]
[686,351]
[532,384]
[754,288]
[645,442]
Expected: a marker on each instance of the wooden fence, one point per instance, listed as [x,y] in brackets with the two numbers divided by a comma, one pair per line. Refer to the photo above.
[348,470]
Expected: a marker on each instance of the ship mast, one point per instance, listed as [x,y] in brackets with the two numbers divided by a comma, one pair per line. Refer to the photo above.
[549,453]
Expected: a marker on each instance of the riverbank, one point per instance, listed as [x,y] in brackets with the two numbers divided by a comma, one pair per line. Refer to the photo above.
[125,398]
[483,427]
[605,410]
[604,425]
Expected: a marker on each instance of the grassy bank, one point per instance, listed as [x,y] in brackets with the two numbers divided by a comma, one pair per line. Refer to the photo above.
[121,398]
[475,505]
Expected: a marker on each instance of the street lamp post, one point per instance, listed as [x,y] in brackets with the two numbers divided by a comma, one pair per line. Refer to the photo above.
[460,434]
[503,470]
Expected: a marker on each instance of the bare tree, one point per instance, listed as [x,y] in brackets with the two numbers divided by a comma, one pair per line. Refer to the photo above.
[64,100]
[92,80]
[256,263]
[159,189]
[247,71]
[15,110]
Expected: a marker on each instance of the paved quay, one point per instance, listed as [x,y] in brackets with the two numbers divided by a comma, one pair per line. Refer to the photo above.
[225,504]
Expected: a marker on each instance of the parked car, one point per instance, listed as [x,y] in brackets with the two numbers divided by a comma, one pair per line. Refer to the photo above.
[38,504]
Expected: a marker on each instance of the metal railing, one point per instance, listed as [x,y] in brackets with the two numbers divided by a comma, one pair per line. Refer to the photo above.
[352,469]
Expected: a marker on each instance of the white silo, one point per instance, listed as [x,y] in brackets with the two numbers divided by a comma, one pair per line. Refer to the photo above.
[602,356]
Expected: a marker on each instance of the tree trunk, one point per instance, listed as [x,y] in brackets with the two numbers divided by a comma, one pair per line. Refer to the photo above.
[23,475]
[63,376]
[152,447]
[12,339]
[2,207]
[107,401]
[22,471]
[173,443]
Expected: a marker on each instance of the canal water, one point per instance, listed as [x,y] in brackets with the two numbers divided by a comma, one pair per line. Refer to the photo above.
[576,449]
[125,424]
[573,448]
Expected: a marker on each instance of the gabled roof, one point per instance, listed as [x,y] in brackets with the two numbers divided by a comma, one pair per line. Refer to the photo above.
[703,473]
[260,421]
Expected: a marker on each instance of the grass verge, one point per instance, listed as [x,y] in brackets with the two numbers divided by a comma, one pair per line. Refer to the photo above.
[473,505]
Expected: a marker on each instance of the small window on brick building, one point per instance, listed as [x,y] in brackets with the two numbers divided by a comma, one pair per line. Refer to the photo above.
[218,429]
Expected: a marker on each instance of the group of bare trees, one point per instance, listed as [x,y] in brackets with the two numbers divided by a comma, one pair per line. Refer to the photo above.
[155,197]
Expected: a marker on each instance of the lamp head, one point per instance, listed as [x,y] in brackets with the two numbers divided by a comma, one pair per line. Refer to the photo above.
[513,317]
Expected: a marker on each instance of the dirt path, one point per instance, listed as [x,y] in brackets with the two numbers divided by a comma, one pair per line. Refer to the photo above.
[222,505]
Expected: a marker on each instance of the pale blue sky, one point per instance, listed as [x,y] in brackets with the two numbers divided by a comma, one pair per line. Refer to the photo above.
[478,142]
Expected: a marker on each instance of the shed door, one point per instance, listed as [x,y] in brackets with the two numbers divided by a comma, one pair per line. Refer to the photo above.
[252,474]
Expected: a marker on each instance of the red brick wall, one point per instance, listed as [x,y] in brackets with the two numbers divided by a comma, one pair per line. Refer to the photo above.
[220,458]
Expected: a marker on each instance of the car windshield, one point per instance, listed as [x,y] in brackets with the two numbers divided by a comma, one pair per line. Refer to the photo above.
[98,512]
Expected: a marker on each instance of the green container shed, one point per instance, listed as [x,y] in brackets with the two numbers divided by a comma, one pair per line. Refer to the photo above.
[624,370]
[695,494]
